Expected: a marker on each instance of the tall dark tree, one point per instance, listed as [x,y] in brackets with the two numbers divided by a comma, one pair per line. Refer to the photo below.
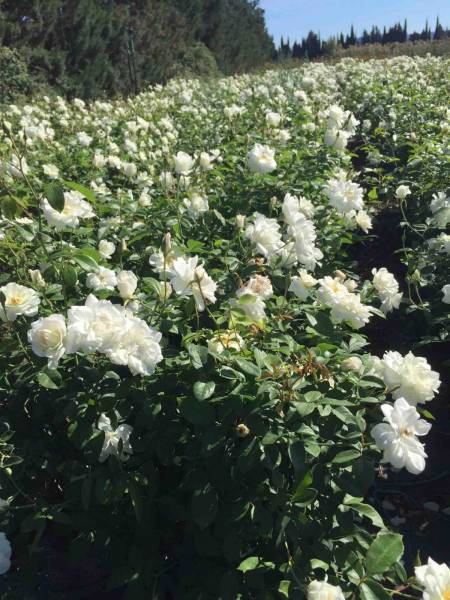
[439,32]
[351,39]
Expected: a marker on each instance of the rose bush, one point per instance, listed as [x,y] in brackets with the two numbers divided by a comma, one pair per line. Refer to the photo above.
[187,391]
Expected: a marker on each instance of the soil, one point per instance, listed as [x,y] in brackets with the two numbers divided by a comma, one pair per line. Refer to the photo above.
[426,530]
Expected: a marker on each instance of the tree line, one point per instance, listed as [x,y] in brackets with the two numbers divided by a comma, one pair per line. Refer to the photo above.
[93,47]
[313,47]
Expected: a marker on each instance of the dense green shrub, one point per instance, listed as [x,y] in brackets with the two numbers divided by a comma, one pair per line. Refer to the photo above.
[15,81]
[188,396]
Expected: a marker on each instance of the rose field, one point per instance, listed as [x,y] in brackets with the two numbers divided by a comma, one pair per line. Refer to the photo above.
[224,349]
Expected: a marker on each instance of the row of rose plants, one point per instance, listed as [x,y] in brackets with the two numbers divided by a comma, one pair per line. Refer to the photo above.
[187,393]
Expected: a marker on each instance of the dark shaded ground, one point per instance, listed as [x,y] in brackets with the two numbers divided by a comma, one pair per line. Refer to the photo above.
[425,531]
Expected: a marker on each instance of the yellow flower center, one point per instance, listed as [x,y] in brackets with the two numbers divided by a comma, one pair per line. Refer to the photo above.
[407,432]
[446,595]
[15,300]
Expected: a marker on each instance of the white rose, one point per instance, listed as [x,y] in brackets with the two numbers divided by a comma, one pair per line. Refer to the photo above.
[258,285]
[106,249]
[5,554]
[113,437]
[102,279]
[227,340]
[51,171]
[352,363]
[321,590]
[196,205]
[47,337]
[264,233]
[144,199]
[126,284]
[183,163]
[99,161]
[435,579]
[336,138]
[252,305]
[344,195]
[19,300]
[409,377]
[446,292]
[129,169]
[302,284]
[397,437]
[190,279]
[84,139]
[402,191]
[75,207]
[273,119]
[364,220]
[205,161]
[36,278]
[261,159]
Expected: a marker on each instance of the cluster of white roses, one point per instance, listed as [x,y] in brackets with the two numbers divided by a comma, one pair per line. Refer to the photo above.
[250,298]
[411,381]
[186,277]
[347,197]
[301,233]
[387,287]
[440,209]
[98,326]
[107,279]
[339,294]
[434,578]
[298,245]
[341,125]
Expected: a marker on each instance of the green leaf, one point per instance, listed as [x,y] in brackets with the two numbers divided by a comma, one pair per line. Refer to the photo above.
[248,367]
[9,208]
[359,479]
[204,389]
[364,510]
[198,354]
[373,195]
[204,506]
[372,590]
[297,455]
[196,412]
[346,456]
[249,564]
[69,276]
[86,262]
[45,381]
[283,588]
[87,193]
[55,195]
[385,550]
[136,499]
[302,487]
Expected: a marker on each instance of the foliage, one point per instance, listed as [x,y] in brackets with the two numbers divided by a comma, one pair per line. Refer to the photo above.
[251,463]
[14,79]
[87,48]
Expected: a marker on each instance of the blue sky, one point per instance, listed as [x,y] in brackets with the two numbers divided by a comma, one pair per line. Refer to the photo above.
[294,18]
